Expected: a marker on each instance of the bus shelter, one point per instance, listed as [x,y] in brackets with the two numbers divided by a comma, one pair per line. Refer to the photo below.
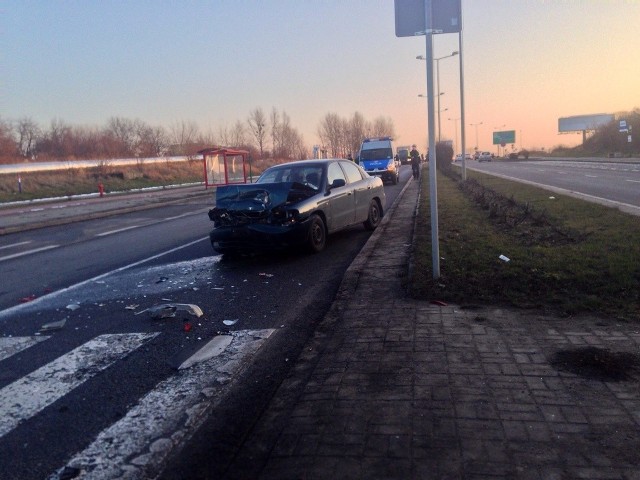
[223,166]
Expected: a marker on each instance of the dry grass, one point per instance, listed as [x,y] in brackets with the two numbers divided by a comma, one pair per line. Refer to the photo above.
[114,178]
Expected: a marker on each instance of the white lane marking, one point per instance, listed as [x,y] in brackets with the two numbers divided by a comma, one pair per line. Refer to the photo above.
[28,252]
[32,393]
[111,232]
[188,214]
[15,244]
[164,419]
[629,180]
[11,345]
[37,301]
[591,176]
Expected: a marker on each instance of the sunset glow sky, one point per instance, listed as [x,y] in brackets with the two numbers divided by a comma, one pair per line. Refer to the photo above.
[526,63]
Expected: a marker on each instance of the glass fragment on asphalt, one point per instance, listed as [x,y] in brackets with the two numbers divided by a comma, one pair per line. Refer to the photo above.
[49,327]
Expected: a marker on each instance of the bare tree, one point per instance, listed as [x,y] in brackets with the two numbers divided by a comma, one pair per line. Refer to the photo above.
[238,135]
[182,134]
[258,126]
[358,129]
[152,141]
[125,131]
[8,146]
[28,133]
[382,127]
[275,132]
[331,133]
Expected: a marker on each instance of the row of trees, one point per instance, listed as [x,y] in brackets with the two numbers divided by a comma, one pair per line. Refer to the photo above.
[343,136]
[264,135]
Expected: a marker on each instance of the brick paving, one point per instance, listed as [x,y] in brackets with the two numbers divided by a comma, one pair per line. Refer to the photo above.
[396,388]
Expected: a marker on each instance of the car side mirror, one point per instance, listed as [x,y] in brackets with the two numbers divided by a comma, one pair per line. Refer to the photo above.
[338,182]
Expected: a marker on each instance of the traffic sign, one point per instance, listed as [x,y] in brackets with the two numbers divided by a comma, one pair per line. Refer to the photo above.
[502,138]
[410,17]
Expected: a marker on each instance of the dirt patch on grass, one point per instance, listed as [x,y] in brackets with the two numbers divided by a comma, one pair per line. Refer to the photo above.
[597,363]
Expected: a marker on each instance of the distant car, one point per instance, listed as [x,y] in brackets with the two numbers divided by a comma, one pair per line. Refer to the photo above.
[485,157]
[467,157]
[295,204]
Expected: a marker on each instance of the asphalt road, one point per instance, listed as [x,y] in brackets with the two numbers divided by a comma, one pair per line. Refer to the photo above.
[593,180]
[106,372]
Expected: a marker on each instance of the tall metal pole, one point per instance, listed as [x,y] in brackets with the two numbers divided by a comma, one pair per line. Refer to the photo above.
[433,188]
[462,121]
[437,60]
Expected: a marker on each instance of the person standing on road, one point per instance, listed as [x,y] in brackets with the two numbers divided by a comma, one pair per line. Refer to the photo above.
[415,161]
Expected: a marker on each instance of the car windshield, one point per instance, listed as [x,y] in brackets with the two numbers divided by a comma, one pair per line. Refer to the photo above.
[310,175]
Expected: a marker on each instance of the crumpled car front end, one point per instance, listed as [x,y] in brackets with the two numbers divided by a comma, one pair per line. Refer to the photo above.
[256,217]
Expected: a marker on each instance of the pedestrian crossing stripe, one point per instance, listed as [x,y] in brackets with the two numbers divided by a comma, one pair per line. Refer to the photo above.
[32,393]
[138,444]
[9,346]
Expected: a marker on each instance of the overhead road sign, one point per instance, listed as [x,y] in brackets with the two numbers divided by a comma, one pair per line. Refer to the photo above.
[410,17]
[508,136]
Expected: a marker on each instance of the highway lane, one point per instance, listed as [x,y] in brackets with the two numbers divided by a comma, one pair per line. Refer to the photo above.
[607,181]
[100,378]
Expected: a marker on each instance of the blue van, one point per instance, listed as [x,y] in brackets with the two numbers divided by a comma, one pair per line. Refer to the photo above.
[376,157]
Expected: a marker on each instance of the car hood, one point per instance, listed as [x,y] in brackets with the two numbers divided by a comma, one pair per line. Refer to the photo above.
[254,202]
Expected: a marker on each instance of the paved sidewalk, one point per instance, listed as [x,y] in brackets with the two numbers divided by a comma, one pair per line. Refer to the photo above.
[392,387]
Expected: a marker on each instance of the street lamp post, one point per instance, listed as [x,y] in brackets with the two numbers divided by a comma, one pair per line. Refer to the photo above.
[455,129]
[437,60]
[476,125]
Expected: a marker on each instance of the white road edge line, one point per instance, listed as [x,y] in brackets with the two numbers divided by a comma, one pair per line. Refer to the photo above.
[49,296]
[28,252]
[29,395]
[15,244]
[111,232]
[629,180]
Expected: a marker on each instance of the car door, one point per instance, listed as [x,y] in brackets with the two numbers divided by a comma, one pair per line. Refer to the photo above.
[361,191]
[341,199]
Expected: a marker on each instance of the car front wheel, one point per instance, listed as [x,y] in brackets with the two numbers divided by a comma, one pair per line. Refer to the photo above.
[374,218]
[317,237]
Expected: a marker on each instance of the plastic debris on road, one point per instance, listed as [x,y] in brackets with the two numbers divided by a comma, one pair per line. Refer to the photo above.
[50,327]
[168,310]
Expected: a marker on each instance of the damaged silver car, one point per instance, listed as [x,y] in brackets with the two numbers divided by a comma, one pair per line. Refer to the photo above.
[295,204]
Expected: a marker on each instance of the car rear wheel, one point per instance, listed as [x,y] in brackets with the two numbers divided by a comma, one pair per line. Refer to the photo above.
[374,218]
[317,238]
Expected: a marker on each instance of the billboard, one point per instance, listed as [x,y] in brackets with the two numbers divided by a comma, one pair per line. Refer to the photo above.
[580,123]
[508,136]
[410,17]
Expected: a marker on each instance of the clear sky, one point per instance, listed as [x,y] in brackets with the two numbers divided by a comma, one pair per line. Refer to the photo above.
[526,63]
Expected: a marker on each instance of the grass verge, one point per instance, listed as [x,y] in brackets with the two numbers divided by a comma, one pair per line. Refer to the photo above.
[566,256]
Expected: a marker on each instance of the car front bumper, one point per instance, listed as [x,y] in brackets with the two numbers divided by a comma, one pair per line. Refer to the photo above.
[258,237]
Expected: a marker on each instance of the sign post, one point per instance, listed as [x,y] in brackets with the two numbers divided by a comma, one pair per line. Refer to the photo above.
[426,17]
